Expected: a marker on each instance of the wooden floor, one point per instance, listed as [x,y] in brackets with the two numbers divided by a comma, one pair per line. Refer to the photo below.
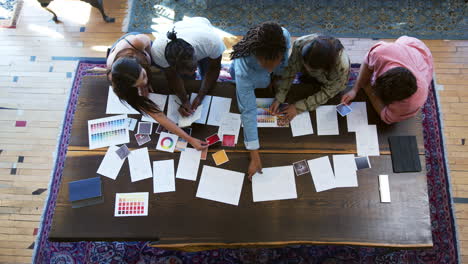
[35,84]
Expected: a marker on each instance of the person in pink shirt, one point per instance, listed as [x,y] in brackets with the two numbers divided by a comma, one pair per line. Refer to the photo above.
[396,78]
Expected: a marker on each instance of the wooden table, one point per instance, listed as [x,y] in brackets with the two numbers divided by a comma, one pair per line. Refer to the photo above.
[351,216]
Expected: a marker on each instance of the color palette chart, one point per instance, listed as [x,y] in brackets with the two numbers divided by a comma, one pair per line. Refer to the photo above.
[108,131]
[131,204]
[264,117]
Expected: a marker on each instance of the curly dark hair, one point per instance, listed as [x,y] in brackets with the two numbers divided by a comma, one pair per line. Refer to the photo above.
[395,85]
[265,41]
[322,52]
[179,53]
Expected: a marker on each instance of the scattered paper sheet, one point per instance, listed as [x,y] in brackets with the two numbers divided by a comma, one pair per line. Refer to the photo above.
[111,164]
[131,123]
[140,166]
[302,125]
[345,170]
[327,120]
[163,176]
[115,106]
[188,164]
[131,204]
[276,183]
[205,104]
[367,141]
[358,117]
[230,125]
[220,185]
[108,131]
[384,188]
[185,121]
[173,108]
[322,173]
[160,101]
[219,106]
[167,142]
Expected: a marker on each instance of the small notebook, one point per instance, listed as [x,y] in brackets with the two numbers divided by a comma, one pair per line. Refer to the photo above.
[405,155]
[85,189]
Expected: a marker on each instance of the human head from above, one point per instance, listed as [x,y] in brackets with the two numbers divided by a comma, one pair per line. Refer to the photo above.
[180,54]
[128,77]
[321,53]
[266,42]
[395,85]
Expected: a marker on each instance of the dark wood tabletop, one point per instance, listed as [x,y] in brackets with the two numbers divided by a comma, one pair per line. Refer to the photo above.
[179,220]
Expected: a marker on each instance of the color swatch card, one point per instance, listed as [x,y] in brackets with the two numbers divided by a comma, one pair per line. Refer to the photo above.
[220,157]
[108,131]
[205,105]
[111,164]
[167,142]
[302,125]
[220,185]
[163,176]
[173,108]
[115,106]
[327,120]
[264,117]
[322,173]
[145,128]
[345,170]
[367,141]
[219,107]
[140,166]
[188,164]
[275,183]
[230,125]
[160,101]
[358,117]
[131,204]
[131,122]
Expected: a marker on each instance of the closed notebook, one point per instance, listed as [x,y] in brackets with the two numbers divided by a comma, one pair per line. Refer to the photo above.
[405,155]
[84,189]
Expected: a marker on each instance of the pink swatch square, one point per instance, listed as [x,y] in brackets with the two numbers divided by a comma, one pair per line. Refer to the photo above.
[20,123]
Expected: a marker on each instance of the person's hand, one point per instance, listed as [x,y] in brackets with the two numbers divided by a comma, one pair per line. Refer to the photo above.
[289,111]
[196,102]
[150,88]
[185,109]
[348,97]
[198,144]
[274,107]
[255,165]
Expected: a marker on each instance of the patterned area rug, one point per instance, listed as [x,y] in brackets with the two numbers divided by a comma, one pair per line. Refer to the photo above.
[443,228]
[429,19]
[9,12]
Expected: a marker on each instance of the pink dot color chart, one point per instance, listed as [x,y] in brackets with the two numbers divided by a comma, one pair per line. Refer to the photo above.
[108,131]
[131,204]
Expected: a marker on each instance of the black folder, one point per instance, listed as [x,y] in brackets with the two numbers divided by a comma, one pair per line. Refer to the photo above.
[405,155]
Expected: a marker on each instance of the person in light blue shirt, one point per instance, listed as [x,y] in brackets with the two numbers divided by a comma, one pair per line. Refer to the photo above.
[257,58]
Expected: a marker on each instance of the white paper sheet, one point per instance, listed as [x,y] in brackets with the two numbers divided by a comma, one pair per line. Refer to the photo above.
[219,106]
[188,164]
[367,141]
[384,188]
[276,183]
[230,125]
[205,104]
[131,204]
[302,125]
[163,176]
[160,101]
[358,117]
[115,106]
[108,131]
[322,173]
[111,164]
[345,170]
[131,123]
[187,121]
[220,185]
[173,108]
[327,120]
[139,163]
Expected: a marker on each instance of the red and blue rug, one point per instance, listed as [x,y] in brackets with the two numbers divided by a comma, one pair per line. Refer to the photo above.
[443,227]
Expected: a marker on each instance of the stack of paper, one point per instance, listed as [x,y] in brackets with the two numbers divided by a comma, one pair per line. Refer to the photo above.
[327,120]
[220,185]
[85,192]
[276,183]
[219,107]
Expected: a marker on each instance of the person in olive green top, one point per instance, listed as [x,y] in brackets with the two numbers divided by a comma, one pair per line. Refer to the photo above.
[320,59]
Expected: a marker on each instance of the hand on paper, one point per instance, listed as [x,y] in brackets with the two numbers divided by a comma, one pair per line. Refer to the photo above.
[348,97]
[196,102]
[274,107]
[186,109]
[255,164]
[198,144]
[290,112]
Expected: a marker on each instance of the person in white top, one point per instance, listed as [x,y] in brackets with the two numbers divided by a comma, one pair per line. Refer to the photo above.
[192,42]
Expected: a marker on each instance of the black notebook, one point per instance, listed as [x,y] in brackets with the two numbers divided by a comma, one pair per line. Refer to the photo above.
[405,155]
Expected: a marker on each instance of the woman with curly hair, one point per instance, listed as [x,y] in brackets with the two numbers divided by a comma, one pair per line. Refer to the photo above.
[396,78]
[260,55]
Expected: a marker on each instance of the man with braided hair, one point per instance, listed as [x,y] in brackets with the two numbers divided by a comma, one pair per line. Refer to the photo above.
[257,58]
[192,42]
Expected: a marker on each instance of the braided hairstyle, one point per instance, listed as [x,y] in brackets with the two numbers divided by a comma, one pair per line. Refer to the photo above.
[322,52]
[395,85]
[179,53]
[265,41]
